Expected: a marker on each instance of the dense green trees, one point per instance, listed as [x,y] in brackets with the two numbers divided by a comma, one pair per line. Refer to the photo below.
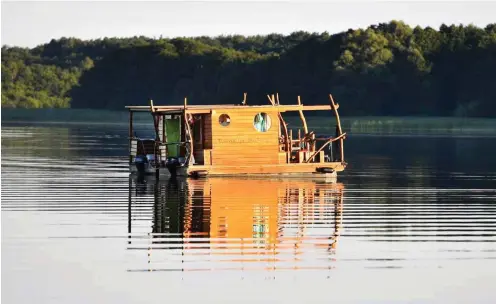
[386,69]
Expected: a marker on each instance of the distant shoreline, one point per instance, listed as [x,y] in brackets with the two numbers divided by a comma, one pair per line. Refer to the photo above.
[363,125]
[68,114]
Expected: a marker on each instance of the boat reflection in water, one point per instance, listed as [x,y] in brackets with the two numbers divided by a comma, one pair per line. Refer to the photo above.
[234,224]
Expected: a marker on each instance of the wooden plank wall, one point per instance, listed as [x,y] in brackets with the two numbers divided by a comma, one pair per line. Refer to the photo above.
[240,143]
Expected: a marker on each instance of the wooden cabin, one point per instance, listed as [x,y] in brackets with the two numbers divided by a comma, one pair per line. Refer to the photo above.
[233,139]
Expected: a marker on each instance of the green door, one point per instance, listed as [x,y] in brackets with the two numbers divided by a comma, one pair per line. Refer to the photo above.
[173,133]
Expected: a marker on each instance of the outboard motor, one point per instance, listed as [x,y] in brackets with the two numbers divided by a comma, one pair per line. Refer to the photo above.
[172,164]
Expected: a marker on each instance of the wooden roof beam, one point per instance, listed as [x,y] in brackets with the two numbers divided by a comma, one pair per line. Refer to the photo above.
[282,108]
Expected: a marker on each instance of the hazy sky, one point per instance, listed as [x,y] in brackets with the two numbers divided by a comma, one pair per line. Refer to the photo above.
[29,23]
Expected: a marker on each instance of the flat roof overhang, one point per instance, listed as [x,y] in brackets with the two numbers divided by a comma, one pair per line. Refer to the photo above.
[206,109]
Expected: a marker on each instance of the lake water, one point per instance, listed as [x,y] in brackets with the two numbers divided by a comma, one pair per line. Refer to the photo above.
[412,219]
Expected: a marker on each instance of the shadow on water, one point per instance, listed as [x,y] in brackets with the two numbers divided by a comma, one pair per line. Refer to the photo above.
[236,224]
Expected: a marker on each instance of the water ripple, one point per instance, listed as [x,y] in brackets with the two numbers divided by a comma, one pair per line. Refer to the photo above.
[72,209]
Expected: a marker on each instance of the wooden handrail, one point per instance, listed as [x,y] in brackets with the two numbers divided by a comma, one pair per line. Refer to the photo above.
[330,140]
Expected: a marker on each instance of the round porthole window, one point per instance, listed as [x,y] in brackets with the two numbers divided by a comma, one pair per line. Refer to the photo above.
[224,120]
[262,122]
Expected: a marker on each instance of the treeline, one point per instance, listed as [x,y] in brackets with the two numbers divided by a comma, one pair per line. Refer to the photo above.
[386,69]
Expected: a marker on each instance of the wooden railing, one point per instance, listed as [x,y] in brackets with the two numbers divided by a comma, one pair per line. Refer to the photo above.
[307,142]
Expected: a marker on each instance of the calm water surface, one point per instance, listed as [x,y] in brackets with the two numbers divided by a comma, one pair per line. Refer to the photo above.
[413,219]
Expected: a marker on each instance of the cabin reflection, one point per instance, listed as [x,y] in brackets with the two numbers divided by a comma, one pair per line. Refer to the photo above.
[220,214]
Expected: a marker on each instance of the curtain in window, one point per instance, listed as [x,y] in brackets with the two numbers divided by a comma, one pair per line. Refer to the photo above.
[262,123]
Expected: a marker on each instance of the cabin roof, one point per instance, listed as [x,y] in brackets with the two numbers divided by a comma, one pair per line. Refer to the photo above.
[198,109]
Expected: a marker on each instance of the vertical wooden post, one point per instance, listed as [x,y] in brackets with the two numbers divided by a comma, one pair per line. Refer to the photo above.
[155,122]
[302,117]
[290,143]
[157,139]
[285,128]
[299,138]
[338,121]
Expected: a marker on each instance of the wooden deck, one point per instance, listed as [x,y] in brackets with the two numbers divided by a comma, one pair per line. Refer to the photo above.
[293,168]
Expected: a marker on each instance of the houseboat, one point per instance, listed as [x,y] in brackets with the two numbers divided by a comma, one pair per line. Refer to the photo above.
[199,140]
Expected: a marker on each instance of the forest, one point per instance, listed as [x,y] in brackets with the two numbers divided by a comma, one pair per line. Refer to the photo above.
[388,69]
